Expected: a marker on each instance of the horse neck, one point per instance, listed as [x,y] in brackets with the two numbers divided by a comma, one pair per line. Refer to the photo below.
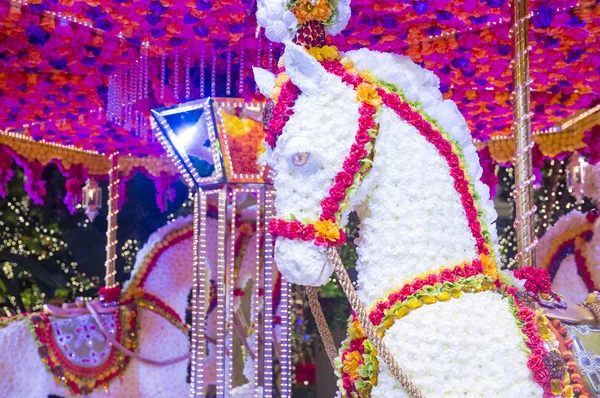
[412,217]
[171,278]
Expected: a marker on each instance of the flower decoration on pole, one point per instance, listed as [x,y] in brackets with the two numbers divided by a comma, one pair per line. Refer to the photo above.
[92,198]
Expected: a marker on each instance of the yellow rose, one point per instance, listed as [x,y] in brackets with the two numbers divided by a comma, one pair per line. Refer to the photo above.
[351,363]
[366,93]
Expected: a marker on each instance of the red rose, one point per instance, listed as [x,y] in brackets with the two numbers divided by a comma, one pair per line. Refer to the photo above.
[535,342]
[457,173]
[469,270]
[476,227]
[308,233]
[530,327]
[366,122]
[294,229]
[592,216]
[366,109]
[541,377]
[431,280]
[467,199]
[424,127]
[273,230]
[445,148]
[525,314]
[358,151]
[395,297]
[539,350]
[453,160]
[337,192]
[344,178]
[407,290]
[363,138]
[376,317]
[109,294]
[383,305]
[418,284]
[447,276]
[392,100]
[329,206]
[342,238]
[535,363]
[347,383]
[351,165]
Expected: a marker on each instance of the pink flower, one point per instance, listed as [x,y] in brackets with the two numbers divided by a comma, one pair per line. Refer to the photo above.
[376,317]
[344,178]
[525,314]
[294,229]
[407,290]
[542,377]
[308,233]
[535,363]
[329,206]
[351,165]
[362,137]
[418,284]
[366,122]
[338,192]
[358,151]
[447,276]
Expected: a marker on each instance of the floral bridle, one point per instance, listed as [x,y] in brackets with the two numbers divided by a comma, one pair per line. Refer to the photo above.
[371,94]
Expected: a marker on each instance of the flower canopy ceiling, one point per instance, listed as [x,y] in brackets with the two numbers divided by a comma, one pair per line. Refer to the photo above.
[72,70]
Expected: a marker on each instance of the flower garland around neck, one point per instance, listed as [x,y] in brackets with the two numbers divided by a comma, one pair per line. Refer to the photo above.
[371,93]
[357,365]
[539,287]
[582,264]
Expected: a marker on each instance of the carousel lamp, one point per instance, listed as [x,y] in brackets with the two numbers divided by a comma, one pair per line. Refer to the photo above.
[92,198]
[576,176]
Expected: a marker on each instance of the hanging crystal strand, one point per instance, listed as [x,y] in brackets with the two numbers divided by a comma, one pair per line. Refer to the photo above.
[187,74]
[270,66]
[126,99]
[258,51]
[213,74]
[259,48]
[163,63]
[202,52]
[145,70]
[228,84]
[240,90]
[140,78]
[109,99]
[119,96]
[131,95]
[176,74]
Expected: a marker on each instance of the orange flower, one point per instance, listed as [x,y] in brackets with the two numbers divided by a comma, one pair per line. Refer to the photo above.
[489,267]
[366,93]
[351,363]
[327,230]
[305,12]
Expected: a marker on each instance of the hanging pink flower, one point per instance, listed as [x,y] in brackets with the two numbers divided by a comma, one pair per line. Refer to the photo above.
[489,176]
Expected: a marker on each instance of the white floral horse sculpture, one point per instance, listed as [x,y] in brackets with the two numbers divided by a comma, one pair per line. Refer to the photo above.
[570,249]
[370,132]
[161,279]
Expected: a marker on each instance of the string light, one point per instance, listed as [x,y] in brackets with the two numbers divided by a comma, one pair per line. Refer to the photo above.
[163,62]
[240,91]
[213,74]
[198,293]
[228,73]
[176,74]
[221,292]
[202,53]
[111,231]
[268,301]
[187,74]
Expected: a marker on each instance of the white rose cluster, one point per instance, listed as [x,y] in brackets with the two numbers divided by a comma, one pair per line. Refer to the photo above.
[467,347]
[281,24]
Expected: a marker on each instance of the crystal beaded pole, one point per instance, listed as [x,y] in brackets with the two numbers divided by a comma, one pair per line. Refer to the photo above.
[523,192]
[286,354]
[268,300]
[198,293]
[111,231]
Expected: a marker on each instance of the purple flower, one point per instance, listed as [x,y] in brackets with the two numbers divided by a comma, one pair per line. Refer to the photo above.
[389,22]
[59,63]
[574,55]
[156,33]
[420,7]
[460,62]
[503,49]
[442,15]
[544,17]
[201,31]
[152,19]
[36,35]
[203,5]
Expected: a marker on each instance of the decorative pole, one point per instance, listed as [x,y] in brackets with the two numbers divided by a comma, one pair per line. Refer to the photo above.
[521,128]
[111,230]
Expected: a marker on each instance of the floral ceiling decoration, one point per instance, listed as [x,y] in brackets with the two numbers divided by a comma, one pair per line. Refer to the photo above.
[86,72]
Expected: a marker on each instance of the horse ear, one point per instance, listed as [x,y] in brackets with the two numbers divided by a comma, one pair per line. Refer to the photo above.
[265,81]
[303,69]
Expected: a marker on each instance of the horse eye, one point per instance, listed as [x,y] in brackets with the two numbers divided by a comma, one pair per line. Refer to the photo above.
[300,158]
